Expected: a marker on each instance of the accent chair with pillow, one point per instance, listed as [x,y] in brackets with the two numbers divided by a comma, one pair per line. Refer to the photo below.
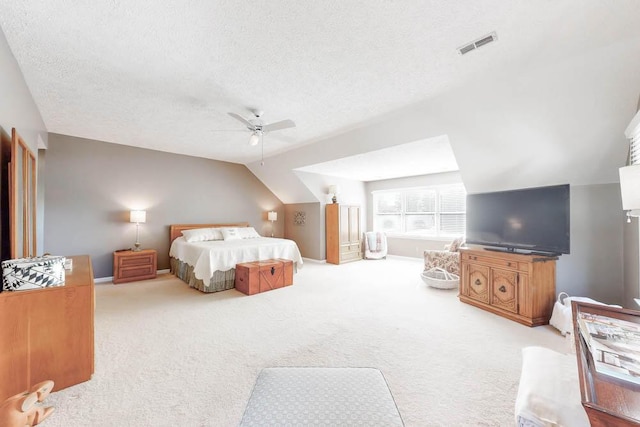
[447,259]
[375,245]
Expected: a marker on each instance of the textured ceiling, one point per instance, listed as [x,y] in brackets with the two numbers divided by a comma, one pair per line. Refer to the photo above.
[163,75]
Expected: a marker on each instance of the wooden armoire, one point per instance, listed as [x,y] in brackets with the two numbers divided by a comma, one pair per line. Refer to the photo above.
[343,233]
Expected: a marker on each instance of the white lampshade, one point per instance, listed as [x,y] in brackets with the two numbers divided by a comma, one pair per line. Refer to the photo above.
[334,189]
[138,216]
[630,189]
[272,216]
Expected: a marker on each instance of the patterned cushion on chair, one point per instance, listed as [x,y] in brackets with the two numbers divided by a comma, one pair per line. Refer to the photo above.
[447,260]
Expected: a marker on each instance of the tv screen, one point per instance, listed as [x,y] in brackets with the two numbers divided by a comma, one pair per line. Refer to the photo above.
[526,220]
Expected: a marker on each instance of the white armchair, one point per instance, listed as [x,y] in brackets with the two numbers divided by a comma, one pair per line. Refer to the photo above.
[375,245]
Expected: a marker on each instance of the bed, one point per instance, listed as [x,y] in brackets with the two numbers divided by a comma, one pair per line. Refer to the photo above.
[207,261]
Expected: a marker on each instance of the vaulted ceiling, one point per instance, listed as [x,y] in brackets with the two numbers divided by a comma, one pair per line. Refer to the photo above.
[164,75]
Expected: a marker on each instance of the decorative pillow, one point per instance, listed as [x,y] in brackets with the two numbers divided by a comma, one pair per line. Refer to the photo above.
[455,245]
[248,233]
[231,234]
[202,234]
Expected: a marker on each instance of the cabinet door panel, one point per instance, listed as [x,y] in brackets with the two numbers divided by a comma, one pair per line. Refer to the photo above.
[504,290]
[344,224]
[479,283]
[61,348]
[14,360]
[354,224]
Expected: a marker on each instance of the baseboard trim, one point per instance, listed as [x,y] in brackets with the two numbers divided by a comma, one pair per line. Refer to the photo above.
[315,261]
[109,279]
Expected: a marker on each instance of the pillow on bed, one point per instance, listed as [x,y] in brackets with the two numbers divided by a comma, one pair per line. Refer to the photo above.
[202,234]
[248,233]
[230,234]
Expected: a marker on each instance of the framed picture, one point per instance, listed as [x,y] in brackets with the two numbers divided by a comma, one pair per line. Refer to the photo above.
[299,218]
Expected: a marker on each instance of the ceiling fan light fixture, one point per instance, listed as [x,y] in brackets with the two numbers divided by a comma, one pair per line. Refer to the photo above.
[254,139]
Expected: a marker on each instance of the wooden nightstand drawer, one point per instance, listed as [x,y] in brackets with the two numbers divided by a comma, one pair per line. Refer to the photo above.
[137,260]
[129,266]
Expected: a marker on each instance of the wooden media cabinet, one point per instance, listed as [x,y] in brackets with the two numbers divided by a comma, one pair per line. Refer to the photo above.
[515,286]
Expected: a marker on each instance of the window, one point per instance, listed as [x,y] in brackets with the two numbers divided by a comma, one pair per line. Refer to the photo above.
[422,212]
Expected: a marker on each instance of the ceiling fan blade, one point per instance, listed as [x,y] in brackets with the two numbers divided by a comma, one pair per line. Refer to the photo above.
[284,124]
[246,122]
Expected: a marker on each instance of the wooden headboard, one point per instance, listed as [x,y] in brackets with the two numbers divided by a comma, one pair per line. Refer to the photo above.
[175,230]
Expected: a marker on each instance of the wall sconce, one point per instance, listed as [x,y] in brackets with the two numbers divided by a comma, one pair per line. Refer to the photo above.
[630,190]
[272,216]
[139,217]
[334,189]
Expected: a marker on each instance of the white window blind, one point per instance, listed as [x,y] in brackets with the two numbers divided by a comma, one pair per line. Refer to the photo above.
[426,211]
[632,132]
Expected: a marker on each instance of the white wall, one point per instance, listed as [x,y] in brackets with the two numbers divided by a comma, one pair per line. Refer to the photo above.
[17,108]
[595,266]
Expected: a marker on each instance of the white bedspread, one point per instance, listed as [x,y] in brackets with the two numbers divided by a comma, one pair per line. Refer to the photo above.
[221,255]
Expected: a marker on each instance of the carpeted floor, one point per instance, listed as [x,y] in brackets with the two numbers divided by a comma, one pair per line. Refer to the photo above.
[168,355]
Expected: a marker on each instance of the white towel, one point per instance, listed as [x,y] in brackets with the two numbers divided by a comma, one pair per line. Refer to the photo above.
[372,241]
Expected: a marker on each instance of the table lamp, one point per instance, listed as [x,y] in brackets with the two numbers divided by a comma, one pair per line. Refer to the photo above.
[138,217]
[272,216]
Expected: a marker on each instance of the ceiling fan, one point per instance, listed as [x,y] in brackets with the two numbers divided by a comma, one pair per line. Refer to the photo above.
[257,126]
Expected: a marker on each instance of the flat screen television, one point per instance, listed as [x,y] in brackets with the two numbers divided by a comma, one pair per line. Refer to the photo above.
[530,220]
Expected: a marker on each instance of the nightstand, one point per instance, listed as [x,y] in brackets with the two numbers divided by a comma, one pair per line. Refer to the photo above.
[129,266]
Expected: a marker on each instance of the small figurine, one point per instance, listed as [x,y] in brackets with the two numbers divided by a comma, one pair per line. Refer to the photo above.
[26,409]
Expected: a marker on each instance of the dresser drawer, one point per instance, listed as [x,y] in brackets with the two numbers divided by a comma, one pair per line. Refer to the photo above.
[350,256]
[495,262]
[355,247]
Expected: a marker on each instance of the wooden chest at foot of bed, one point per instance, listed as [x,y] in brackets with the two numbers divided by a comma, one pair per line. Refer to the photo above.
[262,276]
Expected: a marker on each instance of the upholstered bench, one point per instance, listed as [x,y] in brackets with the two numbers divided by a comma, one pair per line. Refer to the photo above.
[321,397]
[549,390]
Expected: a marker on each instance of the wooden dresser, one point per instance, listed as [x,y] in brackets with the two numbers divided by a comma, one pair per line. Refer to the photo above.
[343,233]
[519,287]
[129,266]
[47,334]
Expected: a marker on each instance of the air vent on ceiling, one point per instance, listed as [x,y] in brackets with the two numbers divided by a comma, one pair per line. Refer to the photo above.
[477,43]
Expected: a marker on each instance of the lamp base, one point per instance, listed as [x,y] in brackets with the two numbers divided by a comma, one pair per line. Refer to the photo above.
[334,199]
[137,247]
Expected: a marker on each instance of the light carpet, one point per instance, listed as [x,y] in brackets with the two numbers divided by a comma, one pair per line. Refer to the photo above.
[169,355]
